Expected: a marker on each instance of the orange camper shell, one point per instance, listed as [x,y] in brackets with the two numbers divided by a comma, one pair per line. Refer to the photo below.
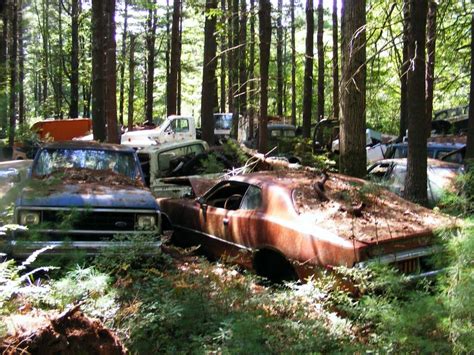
[62,130]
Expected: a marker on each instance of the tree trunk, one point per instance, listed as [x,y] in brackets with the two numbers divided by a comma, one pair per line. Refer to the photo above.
[98,73]
[45,38]
[113,135]
[265,29]
[13,70]
[150,49]
[415,182]
[21,67]
[222,62]
[122,67]
[58,92]
[4,71]
[168,47]
[179,81]
[280,59]
[430,64]
[308,70]
[174,62]
[335,62]
[131,85]
[252,90]
[74,80]
[320,113]
[293,63]
[242,64]
[209,74]
[470,128]
[404,73]
[352,132]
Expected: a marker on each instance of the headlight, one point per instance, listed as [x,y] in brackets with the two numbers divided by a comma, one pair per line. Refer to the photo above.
[146,222]
[28,218]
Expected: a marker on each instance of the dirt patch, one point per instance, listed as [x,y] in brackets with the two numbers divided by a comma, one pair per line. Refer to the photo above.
[83,176]
[68,333]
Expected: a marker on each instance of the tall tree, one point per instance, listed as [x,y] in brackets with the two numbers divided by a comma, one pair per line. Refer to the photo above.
[404,72]
[4,71]
[150,49]
[252,93]
[280,59]
[209,79]
[293,62]
[415,182]
[123,55]
[13,69]
[74,76]
[111,74]
[98,73]
[352,159]
[222,61]
[172,81]
[335,61]
[430,63]
[131,86]
[21,65]
[265,29]
[308,70]
[242,61]
[320,44]
[470,128]
[180,49]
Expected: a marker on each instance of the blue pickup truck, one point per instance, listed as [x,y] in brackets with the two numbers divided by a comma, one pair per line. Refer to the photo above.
[80,195]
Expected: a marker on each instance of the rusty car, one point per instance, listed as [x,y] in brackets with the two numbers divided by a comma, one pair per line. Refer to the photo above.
[79,196]
[288,225]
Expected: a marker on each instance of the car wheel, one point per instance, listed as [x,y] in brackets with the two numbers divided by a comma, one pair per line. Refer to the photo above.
[273,266]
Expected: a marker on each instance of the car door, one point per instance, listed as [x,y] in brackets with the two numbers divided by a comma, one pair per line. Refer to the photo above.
[214,216]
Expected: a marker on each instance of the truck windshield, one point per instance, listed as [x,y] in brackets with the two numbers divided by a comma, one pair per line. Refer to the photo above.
[52,160]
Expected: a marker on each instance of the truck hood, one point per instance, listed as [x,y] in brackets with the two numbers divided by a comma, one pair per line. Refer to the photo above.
[89,195]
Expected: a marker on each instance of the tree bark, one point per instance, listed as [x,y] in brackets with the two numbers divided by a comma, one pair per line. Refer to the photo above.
[404,73]
[242,64]
[430,64]
[74,80]
[179,81]
[150,73]
[45,38]
[131,85]
[209,80]
[280,59]
[320,44]
[293,63]
[416,177]
[174,61]
[4,71]
[470,129]
[222,62]
[308,70]
[113,135]
[352,92]
[21,67]
[13,70]
[335,62]
[252,89]
[122,67]
[265,29]
[98,73]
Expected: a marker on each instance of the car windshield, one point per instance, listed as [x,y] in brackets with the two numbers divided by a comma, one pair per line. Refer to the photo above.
[52,160]
[223,121]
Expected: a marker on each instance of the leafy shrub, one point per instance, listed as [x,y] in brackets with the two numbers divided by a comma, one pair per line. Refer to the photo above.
[460,202]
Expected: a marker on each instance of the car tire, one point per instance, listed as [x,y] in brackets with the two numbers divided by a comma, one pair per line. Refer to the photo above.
[273,266]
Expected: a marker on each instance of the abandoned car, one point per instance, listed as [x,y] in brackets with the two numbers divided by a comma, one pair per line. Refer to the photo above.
[391,173]
[80,195]
[288,225]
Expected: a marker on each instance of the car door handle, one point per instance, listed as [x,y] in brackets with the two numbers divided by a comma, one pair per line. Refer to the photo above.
[226,221]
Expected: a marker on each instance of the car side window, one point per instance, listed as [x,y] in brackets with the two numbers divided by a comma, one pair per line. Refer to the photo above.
[228,196]
[182,125]
[252,199]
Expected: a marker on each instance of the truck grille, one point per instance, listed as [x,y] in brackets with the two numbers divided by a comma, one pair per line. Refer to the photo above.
[410,266]
[89,220]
